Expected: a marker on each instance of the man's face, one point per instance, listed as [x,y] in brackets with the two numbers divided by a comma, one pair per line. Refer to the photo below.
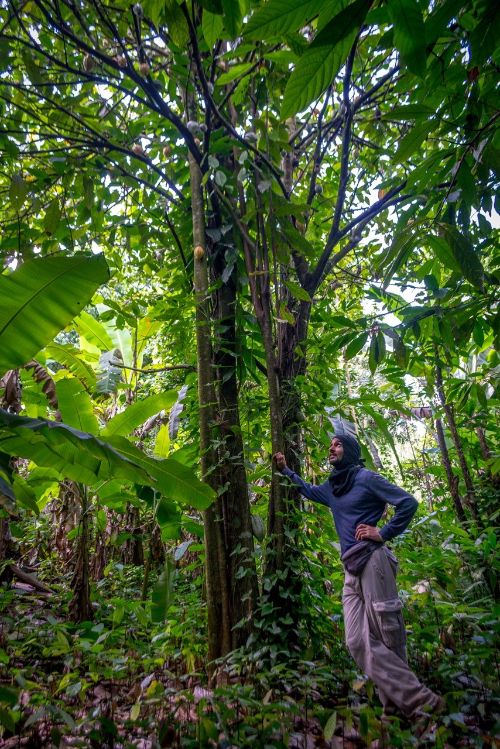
[336,451]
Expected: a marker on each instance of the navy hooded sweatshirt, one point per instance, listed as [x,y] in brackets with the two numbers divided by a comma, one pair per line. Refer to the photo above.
[363,503]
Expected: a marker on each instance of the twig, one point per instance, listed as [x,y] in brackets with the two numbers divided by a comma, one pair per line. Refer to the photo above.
[170,368]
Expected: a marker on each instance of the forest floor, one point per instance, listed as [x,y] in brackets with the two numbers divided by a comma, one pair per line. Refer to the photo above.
[117,683]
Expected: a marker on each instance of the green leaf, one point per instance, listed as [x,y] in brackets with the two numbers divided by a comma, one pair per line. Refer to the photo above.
[399,252]
[355,346]
[24,494]
[278,17]
[8,696]
[232,17]
[93,331]
[169,518]
[137,413]
[412,141]
[322,60]
[88,191]
[464,254]
[70,357]
[381,423]
[297,291]
[73,454]
[18,191]
[161,598]
[76,406]
[372,356]
[330,726]
[213,6]
[52,216]
[162,442]
[409,33]
[400,352]
[443,252]
[40,298]
[176,23]
[212,25]
[377,351]
[407,112]
[173,479]
[7,496]
[235,71]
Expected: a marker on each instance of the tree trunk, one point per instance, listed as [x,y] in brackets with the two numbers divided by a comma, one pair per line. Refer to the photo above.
[218,607]
[452,425]
[66,512]
[238,537]
[452,479]
[133,551]
[483,444]
[79,608]
[6,550]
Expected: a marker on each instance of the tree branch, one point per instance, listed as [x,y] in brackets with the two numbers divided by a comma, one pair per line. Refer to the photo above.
[317,275]
[224,121]
[170,368]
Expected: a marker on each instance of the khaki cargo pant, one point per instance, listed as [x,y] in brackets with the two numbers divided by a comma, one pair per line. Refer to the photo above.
[376,637]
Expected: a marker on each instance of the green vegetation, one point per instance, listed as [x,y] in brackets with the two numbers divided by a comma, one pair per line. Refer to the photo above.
[227,225]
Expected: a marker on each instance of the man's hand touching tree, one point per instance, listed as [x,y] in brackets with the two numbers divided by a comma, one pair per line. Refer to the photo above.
[368,533]
[280,461]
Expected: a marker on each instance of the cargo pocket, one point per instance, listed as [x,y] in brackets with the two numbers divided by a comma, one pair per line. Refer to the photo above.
[391,623]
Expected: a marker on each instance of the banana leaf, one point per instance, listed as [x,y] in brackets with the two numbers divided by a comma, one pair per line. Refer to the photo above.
[40,298]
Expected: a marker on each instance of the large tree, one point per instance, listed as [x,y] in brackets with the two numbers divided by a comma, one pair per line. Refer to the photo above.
[193,119]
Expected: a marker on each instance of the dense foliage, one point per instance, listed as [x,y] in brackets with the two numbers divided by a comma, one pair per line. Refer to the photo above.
[229,227]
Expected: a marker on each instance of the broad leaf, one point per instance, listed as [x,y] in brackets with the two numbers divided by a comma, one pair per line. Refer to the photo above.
[212,25]
[109,374]
[18,191]
[232,16]
[235,71]
[168,517]
[40,298]
[52,216]
[177,24]
[161,598]
[89,460]
[7,496]
[278,17]
[377,351]
[162,442]
[381,423]
[297,291]
[356,345]
[94,332]
[398,253]
[173,479]
[412,141]
[73,454]
[321,62]
[136,413]
[409,33]
[71,358]
[175,413]
[465,255]
[76,406]
[443,252]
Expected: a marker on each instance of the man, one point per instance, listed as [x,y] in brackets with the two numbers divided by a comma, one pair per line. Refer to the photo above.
[374,627]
